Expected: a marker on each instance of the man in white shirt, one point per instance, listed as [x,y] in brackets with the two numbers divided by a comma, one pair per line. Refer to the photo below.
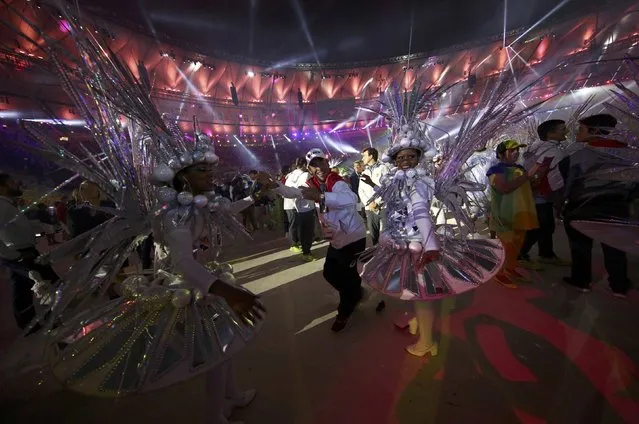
[18,251]
[342,225]
[344,228]
[369,179]
[301,213]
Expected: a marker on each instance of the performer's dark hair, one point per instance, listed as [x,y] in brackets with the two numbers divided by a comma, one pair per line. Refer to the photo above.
[548,126]
[597,124]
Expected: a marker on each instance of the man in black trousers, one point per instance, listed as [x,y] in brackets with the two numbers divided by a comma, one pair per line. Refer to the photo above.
[548,191]
[590,198]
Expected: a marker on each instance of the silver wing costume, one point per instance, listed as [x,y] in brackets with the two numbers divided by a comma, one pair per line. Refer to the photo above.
[100,335]
[464,262]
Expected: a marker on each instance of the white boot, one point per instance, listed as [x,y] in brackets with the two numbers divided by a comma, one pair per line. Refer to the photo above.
[412,326]
[425,317]
[235,398]
[216,387]
[417,350]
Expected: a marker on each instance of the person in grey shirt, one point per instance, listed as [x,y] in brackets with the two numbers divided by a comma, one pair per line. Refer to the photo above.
[18,251]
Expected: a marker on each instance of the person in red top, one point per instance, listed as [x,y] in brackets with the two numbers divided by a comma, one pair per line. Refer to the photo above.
[594,128]
[341,224]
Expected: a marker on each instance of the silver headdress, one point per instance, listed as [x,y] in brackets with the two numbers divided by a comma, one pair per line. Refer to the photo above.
[175,154]
[403,111]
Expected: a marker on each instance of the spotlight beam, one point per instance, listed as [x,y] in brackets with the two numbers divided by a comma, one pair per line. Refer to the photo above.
[198,94]
[252,25]
[410,41]
[510,64]
[251,155]
[540,21]
[343,123]
[505,20]
[277,156]
[371,123]
[356,118]
[361,90]
[482,62]
[323,142]
[523,60]
[307,33]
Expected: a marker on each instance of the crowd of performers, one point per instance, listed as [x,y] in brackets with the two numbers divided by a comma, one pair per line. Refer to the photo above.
[100,330]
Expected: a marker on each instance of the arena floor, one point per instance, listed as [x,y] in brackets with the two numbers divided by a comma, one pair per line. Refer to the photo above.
[542,353]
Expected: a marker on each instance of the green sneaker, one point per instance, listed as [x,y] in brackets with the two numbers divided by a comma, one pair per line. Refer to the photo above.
[309,258]
[296,249]
[528,264]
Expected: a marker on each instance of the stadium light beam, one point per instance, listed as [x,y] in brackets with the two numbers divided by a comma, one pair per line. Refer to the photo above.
[505,20]
[251,155]
[540,21]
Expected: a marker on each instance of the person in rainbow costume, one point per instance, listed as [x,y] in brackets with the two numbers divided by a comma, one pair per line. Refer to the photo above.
[512,206]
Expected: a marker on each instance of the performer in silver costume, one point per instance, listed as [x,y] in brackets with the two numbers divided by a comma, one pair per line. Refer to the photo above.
[417,260]
[102,336]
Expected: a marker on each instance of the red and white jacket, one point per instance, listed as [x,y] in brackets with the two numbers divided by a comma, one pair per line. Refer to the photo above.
[341,215]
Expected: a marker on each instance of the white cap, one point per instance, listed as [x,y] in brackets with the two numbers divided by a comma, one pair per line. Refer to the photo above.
[314,153]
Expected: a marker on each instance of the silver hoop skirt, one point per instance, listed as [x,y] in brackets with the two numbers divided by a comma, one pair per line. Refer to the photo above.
[622,235]
[136,344]
[463,266]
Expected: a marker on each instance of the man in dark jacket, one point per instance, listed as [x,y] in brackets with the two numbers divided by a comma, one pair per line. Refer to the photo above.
[590,198]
